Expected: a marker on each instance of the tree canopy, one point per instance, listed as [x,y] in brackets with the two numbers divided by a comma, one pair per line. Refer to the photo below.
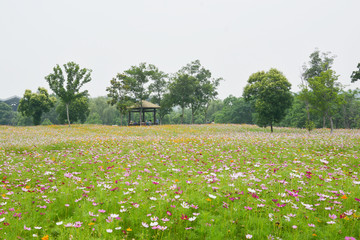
[356,74]
[35,104]
[270,93]
[68,89]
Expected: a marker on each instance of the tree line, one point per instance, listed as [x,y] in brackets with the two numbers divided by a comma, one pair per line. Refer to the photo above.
[190,96]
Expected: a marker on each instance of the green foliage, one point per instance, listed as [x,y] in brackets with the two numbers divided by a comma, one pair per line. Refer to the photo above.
[270,94]
[204,87]
[356,74]
[35,104]
[319,62]
[131,86]
[324,95]
[235,110]
[296,114]
[182,87]
[309,125]
[6,114]
[94,118]
[46,122]
[78,111]
[159,89]
[68,91]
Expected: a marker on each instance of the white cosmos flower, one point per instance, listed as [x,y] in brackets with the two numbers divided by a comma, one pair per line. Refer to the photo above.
[185,205]
[154,224]
[212,196]
[59,223]
[2,219]
[192,219]
[109,230]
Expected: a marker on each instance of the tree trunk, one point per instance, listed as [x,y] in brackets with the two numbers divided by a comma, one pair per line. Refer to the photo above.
[192,116]
[67,113]
[271,127]
[331,125]
[182,115]
[324,121]
[307,112]
[205,113]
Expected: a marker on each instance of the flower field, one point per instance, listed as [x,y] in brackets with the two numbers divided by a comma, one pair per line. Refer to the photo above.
[178,182]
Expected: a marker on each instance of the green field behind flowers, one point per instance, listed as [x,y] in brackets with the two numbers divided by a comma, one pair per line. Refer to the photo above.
[178,182]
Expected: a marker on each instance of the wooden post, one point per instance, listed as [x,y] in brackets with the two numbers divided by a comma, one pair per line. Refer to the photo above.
[129,118]
[154,116]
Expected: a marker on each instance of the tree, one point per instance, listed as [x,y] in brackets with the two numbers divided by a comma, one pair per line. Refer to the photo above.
[270,93]
[182,87]
[319,62]
[35,104]
[355,74]
[204,90]
[6,114]
[78,111]
[119,94]
[131,86]
[158,89]
[75,79]
[324,95]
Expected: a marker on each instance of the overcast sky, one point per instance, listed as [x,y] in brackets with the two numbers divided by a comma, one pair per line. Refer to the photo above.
[231,38]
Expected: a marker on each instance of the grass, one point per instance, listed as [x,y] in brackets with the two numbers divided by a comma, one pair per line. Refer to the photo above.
[178,182]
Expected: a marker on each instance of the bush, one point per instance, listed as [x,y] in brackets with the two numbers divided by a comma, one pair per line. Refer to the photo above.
[46,122]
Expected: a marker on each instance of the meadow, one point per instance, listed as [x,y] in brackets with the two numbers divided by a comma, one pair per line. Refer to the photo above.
[178,182]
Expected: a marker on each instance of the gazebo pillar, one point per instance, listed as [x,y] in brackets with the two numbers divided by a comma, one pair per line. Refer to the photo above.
[154,116]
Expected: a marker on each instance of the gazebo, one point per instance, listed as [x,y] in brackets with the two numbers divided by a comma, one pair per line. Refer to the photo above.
[146,107]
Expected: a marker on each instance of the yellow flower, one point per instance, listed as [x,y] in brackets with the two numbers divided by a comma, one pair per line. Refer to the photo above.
[91,223]
[129,229]
[314,235]
[208,199]
[344,197]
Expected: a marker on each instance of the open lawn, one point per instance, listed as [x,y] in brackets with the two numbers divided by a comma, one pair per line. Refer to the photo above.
[178,182]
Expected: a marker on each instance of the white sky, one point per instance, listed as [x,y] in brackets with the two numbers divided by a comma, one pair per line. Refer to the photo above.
[232,38]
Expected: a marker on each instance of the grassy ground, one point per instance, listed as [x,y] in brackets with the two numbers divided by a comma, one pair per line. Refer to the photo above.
[178,182]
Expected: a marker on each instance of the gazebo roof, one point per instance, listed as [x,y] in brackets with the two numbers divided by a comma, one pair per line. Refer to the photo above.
[145,105]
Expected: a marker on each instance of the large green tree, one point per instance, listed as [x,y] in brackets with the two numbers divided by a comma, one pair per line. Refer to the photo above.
[270,93]
[182,88]
[205,87]
[68,90]
[319,62]
[356,74]
[119,94]
[35,104]
[324,94]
